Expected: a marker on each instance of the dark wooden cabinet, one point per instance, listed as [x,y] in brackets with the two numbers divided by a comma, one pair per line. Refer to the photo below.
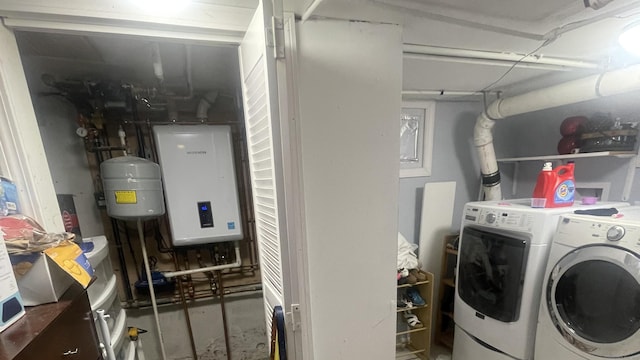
[62,330]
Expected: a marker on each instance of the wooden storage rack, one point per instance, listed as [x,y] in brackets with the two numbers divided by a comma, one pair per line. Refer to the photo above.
[419,339]
[444,322]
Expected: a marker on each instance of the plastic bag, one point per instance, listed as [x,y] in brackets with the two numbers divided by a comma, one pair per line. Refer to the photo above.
[407,258]
[23,235]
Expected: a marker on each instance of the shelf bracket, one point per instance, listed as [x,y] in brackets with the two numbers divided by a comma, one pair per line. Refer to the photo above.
[516,171]
[634,164]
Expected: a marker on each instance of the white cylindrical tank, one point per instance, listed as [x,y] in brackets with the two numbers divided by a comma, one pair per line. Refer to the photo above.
[132,188]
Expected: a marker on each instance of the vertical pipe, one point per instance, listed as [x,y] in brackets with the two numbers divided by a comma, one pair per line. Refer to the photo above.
[130,246]
[185,308]
[224,315]
[152,292]
[106,335]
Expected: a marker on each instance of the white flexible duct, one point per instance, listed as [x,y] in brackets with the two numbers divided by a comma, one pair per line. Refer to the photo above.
[589,88]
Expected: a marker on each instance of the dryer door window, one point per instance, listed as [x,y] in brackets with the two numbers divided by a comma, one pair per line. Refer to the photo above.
[594,299]
[491,273]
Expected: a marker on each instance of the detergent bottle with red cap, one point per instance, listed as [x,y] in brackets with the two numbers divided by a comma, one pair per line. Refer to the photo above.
[555,187]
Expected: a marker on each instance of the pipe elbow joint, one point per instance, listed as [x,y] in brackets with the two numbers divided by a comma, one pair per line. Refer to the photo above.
[482,131]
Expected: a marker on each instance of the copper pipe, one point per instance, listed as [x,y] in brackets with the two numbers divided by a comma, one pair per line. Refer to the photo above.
[185,308]
[200,295]
[224,315]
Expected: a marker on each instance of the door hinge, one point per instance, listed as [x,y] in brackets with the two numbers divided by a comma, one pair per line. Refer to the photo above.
[293,317]
[275,37]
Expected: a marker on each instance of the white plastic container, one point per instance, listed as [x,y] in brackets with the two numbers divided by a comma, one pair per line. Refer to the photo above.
[103,293]
[105,283]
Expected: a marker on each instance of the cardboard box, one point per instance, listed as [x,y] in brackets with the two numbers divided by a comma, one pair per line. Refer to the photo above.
[43,277]
[11,306]
[41,282]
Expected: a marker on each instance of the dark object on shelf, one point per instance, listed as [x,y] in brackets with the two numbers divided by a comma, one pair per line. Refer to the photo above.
[601,132]
[623,139]
[571,125]
[567,144]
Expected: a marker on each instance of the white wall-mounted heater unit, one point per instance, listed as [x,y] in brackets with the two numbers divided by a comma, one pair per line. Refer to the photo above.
[200,183]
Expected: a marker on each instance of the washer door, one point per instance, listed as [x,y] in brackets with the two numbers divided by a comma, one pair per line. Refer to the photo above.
[593,296]
[491,272]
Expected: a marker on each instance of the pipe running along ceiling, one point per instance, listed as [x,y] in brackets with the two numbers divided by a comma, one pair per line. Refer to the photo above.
[589,88]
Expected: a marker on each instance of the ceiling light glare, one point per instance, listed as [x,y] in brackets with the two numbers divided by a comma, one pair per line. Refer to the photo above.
[160,7]
[630,39]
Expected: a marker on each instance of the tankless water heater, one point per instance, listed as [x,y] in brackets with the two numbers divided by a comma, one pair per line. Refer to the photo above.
[200,183]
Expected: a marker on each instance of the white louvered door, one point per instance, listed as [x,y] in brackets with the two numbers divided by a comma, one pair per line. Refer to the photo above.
[259,92]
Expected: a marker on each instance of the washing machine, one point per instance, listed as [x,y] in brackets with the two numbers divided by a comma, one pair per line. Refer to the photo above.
[503,252]
[590,304]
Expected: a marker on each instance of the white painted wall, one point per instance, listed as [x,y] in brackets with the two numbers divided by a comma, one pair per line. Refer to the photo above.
[350,84]
[67,160]
[65,151]
[454,159]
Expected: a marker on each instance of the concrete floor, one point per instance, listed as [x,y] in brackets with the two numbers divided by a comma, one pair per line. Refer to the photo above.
[438,352]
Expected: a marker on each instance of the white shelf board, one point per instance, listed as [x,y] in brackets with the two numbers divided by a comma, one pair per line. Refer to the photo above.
[618,154]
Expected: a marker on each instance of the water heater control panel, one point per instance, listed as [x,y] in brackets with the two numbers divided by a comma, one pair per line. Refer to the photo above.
[206,216]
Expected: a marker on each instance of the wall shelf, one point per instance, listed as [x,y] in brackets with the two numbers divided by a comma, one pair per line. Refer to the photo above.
[411,331]
[617,154]
[411,308]
[410,285]
[631,156]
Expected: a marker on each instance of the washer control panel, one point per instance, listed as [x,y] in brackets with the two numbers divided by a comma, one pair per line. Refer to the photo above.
[498,218]
[615,233]
[578,232]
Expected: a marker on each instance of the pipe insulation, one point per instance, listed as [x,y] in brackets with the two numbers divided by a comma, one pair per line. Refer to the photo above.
[156,61]
[205,103]
[448,53]
[589,88]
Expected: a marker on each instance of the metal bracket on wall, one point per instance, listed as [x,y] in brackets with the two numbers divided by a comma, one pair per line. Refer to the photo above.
[277,34]
[293,318]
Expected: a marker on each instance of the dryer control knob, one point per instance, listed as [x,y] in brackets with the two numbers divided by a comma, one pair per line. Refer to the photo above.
[615,233]
[491,218]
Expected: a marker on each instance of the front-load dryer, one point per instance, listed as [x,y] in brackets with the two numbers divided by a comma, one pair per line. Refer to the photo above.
[502,256]
[590,304]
